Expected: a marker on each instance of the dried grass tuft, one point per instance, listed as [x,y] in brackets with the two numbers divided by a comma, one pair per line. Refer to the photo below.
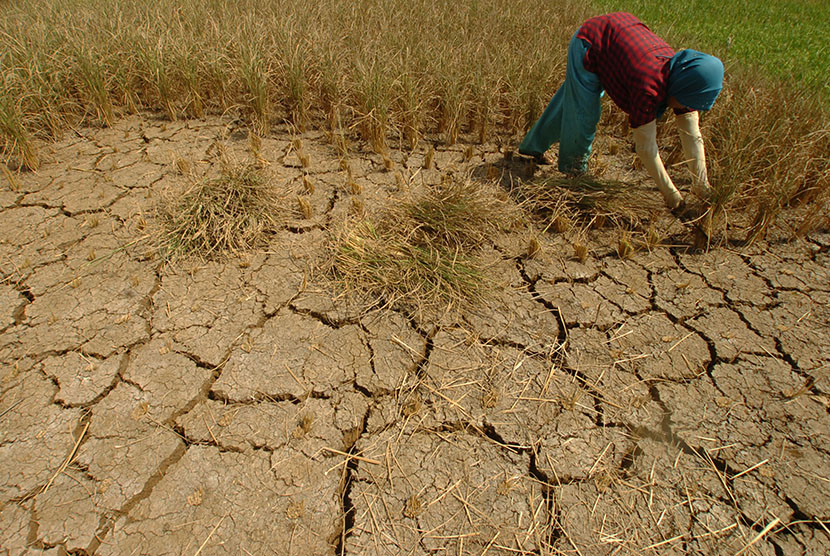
[308,185]
[534,248]
[459,214]
[580,251]
[625,246]
[389,266]
[14,185]
[305,207]
[421,253]
[562,204]
[353,186]
[15,141]
[429,158]
[223,215]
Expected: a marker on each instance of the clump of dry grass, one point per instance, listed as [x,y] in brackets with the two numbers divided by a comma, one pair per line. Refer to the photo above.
[562,204]
[222,215]
[625,247]
[422,253]
[580,251]
[459,214]
[403,273]
[16,141]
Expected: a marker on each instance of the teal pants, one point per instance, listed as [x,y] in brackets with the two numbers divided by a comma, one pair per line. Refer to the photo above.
[571,117]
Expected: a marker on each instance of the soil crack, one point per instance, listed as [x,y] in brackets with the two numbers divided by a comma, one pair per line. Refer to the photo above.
[108,522]
[347,479]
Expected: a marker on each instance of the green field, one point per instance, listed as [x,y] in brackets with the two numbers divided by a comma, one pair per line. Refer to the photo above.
[788,39]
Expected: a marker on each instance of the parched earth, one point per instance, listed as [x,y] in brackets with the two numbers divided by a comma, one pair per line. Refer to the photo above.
[670,402]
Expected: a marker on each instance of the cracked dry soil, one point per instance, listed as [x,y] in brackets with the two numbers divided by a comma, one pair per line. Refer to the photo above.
[668,403]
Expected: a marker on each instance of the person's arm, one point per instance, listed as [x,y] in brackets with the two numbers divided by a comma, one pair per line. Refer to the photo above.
[645,141]
[692,142]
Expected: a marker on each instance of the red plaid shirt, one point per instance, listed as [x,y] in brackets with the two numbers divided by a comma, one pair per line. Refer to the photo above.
[631,62]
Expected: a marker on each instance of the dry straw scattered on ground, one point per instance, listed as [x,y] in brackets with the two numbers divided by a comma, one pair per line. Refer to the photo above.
[613,401]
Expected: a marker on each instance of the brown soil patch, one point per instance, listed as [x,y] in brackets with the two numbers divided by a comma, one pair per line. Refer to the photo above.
[667,402]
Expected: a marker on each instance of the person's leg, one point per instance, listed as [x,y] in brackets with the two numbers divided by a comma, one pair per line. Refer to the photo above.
[571,115]
[545,132]
[580,112]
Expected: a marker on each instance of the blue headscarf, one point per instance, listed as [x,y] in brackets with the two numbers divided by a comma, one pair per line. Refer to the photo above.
[695,79]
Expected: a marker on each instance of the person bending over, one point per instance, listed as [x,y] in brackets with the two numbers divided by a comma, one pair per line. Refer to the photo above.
[617,53]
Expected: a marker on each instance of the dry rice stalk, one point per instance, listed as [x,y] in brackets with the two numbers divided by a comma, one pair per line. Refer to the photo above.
[69,458]
[212,531]
[760,535]
[580,251]
[183,166]
[305,207]
[533,247]
[429,157]
[353,186]
[14,185]
[625,248]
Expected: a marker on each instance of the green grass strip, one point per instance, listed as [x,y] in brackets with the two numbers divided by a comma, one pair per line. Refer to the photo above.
[786,39]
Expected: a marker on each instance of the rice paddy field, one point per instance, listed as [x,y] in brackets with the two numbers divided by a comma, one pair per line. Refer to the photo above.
[396,71]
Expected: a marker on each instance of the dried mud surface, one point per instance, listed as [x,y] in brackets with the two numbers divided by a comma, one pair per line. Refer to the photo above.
[671,402]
